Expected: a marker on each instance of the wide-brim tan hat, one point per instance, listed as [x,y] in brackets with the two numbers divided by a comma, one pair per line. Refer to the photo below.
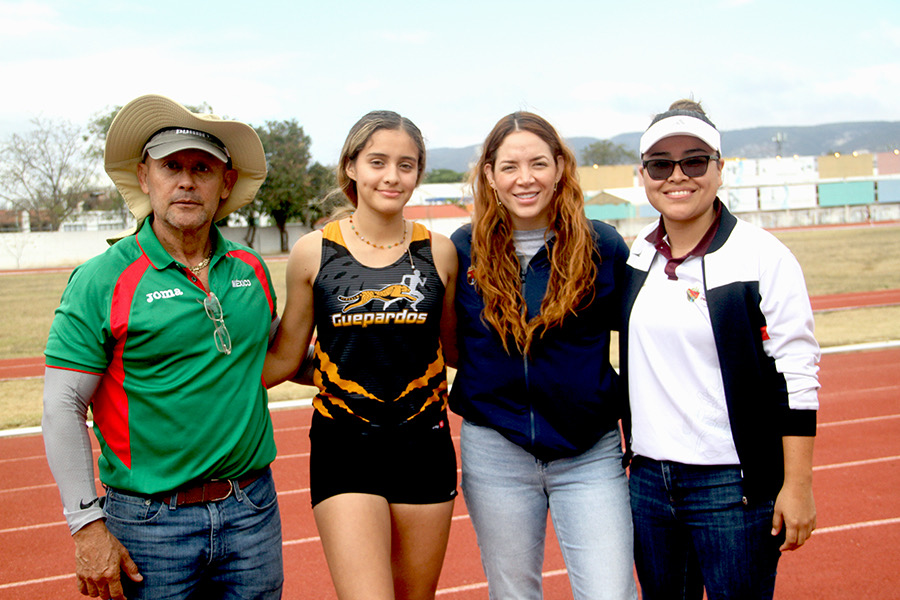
[142,117]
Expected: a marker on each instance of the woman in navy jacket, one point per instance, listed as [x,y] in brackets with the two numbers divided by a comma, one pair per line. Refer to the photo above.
[537,294]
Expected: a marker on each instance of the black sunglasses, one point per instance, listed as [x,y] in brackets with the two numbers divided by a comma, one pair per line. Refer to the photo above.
[692,166]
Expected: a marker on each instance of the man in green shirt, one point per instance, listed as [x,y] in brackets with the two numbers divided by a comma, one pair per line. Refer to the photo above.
[164,336]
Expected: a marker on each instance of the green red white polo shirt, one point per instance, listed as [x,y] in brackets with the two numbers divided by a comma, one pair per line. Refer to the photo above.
[170,407]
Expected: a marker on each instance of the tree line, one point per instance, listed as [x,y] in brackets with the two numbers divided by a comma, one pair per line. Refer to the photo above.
[56,169]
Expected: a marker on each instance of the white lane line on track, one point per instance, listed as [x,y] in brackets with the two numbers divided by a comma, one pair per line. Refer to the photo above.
[15,584]
[843,465]
[480,585]
[292,492]
[287,456]
[483,584]
[306,402]
[96,453]
[455,438]
[20,458]
[308,540]
[32,527]
[856,463]
[463,517]
[861,525]
[440,592]
[28,488]
[288,429]
[860,420]
[861,347]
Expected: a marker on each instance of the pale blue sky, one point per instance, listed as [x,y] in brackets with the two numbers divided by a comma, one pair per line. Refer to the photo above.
[593,68]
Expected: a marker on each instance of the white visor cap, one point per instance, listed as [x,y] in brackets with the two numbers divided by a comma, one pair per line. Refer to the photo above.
[681,125]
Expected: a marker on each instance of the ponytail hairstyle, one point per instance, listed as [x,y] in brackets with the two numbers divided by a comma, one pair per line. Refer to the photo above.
[496,268]
[685,105]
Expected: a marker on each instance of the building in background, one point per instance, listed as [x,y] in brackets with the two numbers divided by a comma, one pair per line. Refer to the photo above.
[771,192]
[777,192]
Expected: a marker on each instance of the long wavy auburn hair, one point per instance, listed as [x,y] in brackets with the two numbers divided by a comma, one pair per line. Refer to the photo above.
[496,268]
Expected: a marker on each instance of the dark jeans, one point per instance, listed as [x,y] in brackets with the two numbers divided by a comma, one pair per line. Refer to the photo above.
[219,550]
[693,527]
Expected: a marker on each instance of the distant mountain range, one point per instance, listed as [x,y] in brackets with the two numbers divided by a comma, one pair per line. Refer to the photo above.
[758,142]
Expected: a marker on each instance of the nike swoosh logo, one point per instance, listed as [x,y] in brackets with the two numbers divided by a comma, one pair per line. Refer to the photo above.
[89,504]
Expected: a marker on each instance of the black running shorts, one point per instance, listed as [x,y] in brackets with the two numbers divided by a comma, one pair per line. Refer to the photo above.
[414,463]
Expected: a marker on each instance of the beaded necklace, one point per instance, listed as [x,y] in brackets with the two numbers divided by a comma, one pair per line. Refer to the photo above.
[359,235]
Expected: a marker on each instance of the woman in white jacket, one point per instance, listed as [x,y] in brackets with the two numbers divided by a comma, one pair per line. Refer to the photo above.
[720,361]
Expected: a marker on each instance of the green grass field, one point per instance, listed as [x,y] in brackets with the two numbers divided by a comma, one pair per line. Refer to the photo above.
[834,261]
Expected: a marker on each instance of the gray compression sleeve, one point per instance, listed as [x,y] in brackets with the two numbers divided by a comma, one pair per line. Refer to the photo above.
[67,395]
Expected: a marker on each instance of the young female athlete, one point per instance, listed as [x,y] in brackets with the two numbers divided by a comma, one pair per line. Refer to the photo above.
[537,295]
[379,291]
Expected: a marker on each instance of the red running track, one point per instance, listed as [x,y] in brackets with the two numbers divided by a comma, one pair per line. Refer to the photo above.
[853,554]
[21,368]
[856,300]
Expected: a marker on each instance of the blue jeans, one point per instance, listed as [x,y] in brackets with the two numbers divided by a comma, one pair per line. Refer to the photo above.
[508,492]
[224,550]
[693,527]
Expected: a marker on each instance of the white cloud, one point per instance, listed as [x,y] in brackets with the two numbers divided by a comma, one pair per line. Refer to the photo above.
[24,19]
[417,38]
[365,86]
[760,62]
[884,34]
[871,81]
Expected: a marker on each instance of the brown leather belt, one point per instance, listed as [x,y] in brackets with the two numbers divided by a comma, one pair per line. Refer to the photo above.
[209,491]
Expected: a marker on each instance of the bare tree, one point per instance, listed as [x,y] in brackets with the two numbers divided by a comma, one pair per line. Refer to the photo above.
[47,171]
[16,244]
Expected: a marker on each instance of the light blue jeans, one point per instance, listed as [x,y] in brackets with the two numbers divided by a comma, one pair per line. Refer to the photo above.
[508,492]
[225,550]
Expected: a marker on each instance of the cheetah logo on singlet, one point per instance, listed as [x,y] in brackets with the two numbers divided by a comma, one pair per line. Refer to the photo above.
[388,294]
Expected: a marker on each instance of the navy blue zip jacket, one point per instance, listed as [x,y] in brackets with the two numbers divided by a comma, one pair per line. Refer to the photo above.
[564,396]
